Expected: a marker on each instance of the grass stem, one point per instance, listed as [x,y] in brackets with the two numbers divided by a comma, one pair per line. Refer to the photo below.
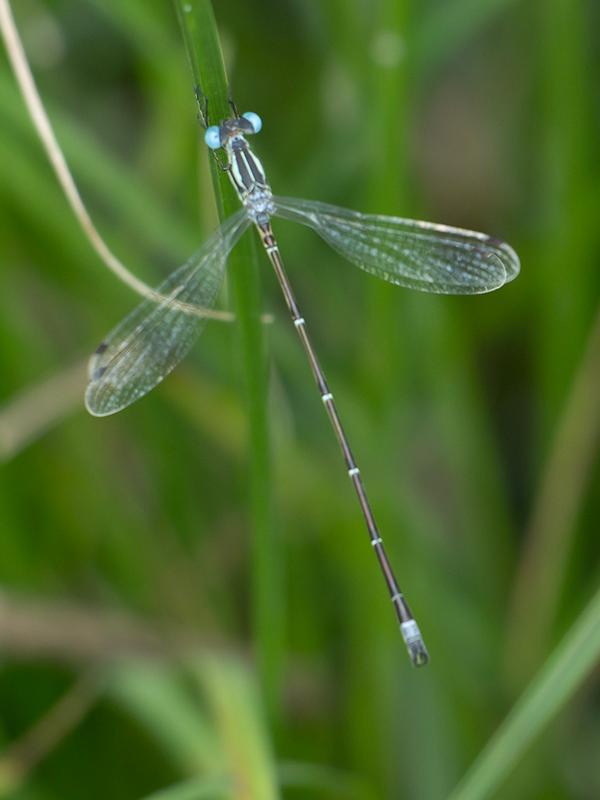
[208,69]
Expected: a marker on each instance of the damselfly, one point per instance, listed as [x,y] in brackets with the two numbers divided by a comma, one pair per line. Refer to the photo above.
[150,342]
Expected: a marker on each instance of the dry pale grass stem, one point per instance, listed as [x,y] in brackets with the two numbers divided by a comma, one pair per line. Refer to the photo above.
[41,122]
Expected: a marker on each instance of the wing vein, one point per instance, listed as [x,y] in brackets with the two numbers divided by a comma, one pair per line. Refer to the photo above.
[419,255]
[149,343]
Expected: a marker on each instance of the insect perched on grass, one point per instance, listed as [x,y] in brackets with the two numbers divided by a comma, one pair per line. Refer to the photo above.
[150,342]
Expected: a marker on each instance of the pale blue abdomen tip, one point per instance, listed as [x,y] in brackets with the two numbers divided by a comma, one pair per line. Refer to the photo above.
[254,120]
[212,137]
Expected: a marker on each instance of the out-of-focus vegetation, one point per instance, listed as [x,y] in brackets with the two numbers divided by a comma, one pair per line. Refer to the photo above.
[133,659]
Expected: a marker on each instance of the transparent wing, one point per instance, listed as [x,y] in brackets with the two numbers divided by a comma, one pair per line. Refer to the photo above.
[156,335]
[420,255]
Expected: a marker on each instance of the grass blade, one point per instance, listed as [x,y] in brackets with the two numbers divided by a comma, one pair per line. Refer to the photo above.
[446,30]
[206,60]
[201,789]
[563,673]
[239,724]
[153,695]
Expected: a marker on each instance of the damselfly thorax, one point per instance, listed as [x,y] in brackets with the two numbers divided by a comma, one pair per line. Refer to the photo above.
[248,178]
[243,167]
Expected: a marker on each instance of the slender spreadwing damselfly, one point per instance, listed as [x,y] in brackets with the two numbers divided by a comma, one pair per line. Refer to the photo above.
[152,339]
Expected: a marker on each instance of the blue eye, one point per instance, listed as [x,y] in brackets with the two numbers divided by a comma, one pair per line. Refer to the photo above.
[212,137]
[254,120]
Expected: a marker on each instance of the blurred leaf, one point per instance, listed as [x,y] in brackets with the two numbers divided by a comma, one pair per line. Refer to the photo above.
[208,789]
[448,27]
[113,183]
[154,695]
[566,669]
[240,727]
[322,781]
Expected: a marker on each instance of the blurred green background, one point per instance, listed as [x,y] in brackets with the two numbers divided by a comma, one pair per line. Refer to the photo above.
[129,646]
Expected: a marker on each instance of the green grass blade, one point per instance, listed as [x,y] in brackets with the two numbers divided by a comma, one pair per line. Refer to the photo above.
[153,695]
[201,789]
[566,150]
[448,28]
[239,724]
[101,175]
[563,673]
[322,781]
[204,51]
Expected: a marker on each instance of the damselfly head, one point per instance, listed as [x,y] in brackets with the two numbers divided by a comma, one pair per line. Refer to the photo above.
[217,135]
